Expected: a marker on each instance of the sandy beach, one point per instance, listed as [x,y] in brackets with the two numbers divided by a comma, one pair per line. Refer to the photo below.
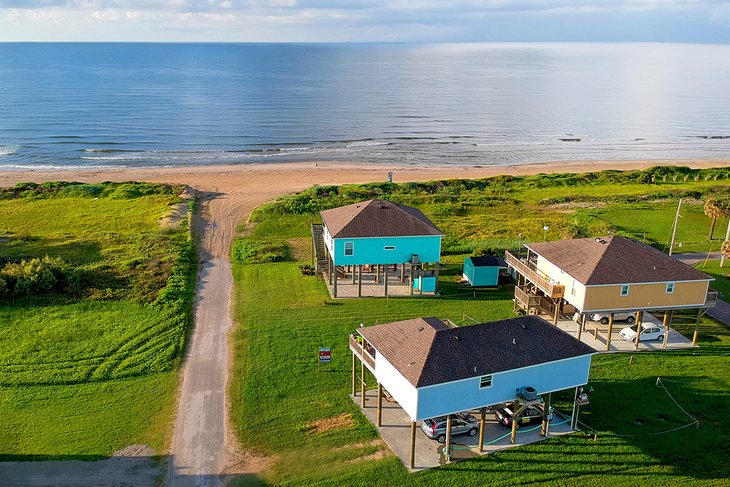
[234,190]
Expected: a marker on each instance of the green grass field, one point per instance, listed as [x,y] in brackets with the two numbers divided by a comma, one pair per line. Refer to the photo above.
[85,373]
[279,397]
[281,400]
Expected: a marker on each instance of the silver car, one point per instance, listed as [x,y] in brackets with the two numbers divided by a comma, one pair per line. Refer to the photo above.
[461,423]
[603,317]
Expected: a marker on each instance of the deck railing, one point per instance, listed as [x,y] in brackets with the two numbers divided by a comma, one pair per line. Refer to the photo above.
[358,348]
[530,272]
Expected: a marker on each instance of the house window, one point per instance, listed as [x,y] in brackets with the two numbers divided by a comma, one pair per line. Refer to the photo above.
[670,288]
[572,289]
[349,248]
[624,290]
[389,247]
[485,381]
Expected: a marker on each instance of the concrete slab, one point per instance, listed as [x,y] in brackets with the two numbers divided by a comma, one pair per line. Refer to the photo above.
[595,335]
[373,289]
[396,432]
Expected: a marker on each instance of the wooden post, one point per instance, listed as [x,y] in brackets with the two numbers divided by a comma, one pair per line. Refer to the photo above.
[515,420]
[329,270]
[557,312]
[411,462]
[447,449]
[385,278]
[402,273]
[380,405]
[545,413]
[581,325]
[410,280]
[362,382]
[637,320]
[576,410]
[665,322]
[436,274]
[377,274]
[482,420]
[610,330]
[334,286]
[359,280]
[353,274]
[354,375]
[696,334]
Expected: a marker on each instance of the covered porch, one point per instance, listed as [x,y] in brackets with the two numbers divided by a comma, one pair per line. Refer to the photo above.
[377,280]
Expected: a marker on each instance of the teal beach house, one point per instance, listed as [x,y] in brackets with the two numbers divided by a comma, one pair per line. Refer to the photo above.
[377,248]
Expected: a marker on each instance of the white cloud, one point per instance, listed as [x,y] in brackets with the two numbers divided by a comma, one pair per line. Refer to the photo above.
[323,20]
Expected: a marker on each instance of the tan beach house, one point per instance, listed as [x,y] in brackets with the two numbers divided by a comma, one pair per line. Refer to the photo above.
[608,276]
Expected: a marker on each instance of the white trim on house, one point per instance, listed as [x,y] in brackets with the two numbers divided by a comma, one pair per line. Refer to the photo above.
[391,236]
[645,308]
[507,371]
[640,283]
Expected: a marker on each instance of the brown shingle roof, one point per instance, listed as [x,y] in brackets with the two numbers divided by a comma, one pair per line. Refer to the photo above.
[427,352]
[377,218]
[614,260]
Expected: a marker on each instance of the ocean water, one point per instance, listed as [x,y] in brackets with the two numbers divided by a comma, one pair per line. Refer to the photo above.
[99,105]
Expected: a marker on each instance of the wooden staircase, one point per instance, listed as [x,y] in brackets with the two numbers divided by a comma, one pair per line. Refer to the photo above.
[319,251]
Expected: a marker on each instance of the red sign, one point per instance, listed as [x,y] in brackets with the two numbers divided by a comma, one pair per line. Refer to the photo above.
[325,355]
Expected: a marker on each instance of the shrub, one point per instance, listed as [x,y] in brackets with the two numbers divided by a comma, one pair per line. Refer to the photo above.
[247,251]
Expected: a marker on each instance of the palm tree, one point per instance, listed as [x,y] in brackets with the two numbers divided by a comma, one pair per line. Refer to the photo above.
[715,209]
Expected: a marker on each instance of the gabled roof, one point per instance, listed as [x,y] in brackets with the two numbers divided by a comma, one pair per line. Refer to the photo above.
[614,260]
[377,218]
[427,352]
[488,261]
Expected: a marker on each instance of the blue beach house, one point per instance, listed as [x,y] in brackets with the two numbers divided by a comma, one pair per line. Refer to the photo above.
[432,368]
[375,247]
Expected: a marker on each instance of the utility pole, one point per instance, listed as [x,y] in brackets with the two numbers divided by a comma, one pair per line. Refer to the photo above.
[674,230]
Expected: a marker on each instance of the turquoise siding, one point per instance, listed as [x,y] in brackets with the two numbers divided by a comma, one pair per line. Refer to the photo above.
[462,395]
[372,250]
[481,276]
[425,284]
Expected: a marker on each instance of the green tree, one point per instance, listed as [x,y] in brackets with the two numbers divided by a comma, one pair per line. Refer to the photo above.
[716,208]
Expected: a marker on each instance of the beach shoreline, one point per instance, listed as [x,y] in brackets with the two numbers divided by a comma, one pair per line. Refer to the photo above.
[292,176]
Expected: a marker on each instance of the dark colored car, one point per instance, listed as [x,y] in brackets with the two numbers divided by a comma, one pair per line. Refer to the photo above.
[435,428]
[531,414]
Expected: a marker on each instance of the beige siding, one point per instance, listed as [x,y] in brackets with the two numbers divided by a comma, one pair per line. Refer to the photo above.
[574,290]
[599,298]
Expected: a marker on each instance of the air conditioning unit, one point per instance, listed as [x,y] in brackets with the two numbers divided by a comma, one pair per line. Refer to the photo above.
[415,259]
[527,393]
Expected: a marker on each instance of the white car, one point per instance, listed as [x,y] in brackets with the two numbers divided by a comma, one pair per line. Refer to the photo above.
[603,317]
[649,331]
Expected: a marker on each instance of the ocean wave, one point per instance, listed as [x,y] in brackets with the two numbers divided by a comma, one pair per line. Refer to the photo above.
[56,167]
[366,143]
[197,155]
[8,150]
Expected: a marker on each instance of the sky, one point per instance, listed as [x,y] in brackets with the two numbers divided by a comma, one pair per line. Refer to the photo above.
[704,21]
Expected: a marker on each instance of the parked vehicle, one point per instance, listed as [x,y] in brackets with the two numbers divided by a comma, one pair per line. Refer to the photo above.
[461,423]
[604,317]
[649,331]
[531,414]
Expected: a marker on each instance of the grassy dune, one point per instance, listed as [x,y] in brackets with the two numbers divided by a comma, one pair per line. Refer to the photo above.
[89,371]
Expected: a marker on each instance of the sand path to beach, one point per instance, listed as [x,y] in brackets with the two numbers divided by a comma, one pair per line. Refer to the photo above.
[204,450]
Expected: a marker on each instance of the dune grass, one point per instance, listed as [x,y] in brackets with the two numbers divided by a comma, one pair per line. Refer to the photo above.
[86,373]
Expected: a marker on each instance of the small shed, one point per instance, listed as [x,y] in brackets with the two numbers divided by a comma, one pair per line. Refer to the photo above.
[483,270]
